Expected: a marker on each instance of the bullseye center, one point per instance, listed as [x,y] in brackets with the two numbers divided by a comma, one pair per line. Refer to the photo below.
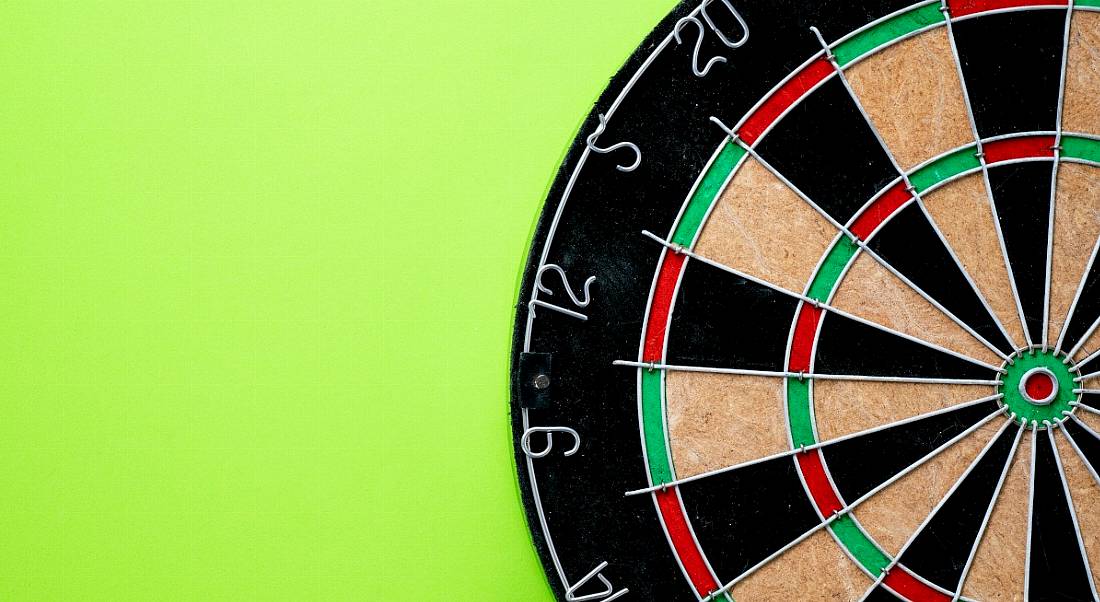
[1038,386]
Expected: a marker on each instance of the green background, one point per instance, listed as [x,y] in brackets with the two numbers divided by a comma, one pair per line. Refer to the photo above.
[258,263]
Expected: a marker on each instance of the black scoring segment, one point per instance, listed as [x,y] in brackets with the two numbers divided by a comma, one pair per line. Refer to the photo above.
[909,243]
[1084,315]
[1089,367]
[1021,194]
[1012,66]
[742,517]
[1084,441]
[722,320]
[880,594]
[860,464]
[939,553]
[1091,400]
[826,148]
[847,346]
[1058,570]
[1092,365]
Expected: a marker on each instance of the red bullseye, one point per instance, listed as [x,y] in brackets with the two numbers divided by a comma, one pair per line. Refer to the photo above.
[1039,386]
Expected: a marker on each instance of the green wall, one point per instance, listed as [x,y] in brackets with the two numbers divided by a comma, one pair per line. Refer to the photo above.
[258,261]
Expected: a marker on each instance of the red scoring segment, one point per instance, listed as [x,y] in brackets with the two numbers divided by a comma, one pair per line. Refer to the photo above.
[662,304]
[678,531]
[915,590]
[882,208]
[1022,147]
[805,331]
[813,471]
[961,8]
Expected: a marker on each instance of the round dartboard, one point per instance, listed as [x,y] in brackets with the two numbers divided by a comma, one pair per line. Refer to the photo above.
[811,311]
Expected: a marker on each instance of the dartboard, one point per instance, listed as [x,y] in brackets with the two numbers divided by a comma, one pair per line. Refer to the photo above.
[811,310]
